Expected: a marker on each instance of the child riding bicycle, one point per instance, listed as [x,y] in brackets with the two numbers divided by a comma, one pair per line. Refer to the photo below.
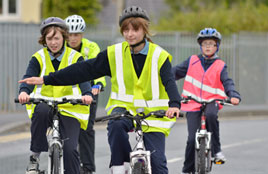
[55,56]
[206,78]
[141,76]
[89,50]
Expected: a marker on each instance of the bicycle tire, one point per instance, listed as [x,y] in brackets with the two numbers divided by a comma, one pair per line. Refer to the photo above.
[138,168]
[202,156]
[55,166]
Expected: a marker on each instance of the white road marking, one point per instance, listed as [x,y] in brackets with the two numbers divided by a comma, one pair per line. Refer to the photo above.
[242,143]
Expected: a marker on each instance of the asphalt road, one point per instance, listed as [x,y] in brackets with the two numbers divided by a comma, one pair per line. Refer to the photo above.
[244,142]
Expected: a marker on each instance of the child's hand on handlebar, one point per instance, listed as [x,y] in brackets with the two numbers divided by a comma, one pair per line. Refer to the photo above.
[23,98]
[87,99]
[173,111]
[235,101]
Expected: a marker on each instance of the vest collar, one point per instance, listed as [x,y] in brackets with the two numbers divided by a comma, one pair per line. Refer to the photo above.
[58,58]
[145,49]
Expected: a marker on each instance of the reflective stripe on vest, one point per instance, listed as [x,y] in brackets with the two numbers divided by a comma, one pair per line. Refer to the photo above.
[121,95]
[156,102]
[159,123]
[204,87]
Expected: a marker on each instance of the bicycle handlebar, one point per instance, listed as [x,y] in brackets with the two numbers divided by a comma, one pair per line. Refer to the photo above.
[139,116]
[158,114]
[221,101]
[53,101]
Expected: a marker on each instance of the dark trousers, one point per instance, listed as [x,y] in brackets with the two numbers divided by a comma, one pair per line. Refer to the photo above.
[193,124]
[87,140]
[118,139]
[69,131]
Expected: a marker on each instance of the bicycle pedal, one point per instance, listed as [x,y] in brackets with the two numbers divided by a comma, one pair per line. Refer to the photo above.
[219,162]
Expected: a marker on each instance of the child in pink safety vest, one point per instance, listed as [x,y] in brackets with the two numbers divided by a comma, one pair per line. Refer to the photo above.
[208,70]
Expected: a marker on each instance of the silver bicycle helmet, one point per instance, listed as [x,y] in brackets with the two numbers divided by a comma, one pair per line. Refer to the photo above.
[76,24]
[53,21]
[133,11]
[208,33]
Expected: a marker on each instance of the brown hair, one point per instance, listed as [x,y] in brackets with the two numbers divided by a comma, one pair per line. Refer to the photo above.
[42,39]
[136,23]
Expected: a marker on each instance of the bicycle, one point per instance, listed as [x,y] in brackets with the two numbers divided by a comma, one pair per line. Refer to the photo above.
[55,143]
[140,162]
[203,158]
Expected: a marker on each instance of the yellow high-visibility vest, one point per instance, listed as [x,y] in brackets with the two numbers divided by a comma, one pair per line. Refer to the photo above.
[146,92]
[80,112]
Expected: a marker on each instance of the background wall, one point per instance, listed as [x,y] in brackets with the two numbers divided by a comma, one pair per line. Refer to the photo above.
[244,53]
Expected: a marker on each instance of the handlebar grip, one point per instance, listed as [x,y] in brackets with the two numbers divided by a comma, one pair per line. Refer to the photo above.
[104,118]
[16,100]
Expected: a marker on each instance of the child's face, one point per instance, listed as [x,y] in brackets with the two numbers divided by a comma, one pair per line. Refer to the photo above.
[209,47]
[75,40]
[133,36]
[54,40]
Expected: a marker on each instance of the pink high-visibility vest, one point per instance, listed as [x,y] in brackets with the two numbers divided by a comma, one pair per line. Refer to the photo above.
[202,85]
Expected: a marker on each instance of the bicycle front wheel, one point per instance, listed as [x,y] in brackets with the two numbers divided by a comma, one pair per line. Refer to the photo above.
[55,166]
[201,157]
[138,168]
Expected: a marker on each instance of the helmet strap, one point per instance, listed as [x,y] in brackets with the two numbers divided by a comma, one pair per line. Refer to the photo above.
[137,44]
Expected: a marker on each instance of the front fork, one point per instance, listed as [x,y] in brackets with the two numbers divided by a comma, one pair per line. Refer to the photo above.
[140,154]
[55,139]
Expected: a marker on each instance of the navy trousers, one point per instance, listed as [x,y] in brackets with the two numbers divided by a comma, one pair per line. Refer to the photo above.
[118,139]
[193,124]
[69,130]
[87,140]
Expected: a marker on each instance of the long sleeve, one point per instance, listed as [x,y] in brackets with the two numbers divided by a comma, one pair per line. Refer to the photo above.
[170,85]
[33,70]
[81,71]
[85,87]
[228,84]
[179,71]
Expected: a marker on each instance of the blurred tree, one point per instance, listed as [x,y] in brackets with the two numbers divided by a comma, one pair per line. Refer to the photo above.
[88,9]
[227,16]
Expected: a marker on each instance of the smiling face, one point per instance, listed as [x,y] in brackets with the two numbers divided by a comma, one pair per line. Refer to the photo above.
[75,40]
[132,35]
[209,47]
[54,40]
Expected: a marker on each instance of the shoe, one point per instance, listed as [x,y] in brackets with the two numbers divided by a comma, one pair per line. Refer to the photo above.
[187,173]
[84,170]
[33,166]
[219,158]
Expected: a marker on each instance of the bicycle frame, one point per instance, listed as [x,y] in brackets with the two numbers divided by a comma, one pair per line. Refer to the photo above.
[203,158]
[55,140]
[140,158]
[203,163]
[139,153]
[55,143]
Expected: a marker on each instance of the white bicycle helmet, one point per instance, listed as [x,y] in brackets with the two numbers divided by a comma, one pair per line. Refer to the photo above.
[76,24]
[208,33]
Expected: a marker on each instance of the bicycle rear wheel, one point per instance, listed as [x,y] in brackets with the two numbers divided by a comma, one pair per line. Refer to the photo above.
[138,168]
[55,166]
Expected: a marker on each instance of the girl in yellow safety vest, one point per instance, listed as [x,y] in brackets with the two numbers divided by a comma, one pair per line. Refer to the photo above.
[141,76]
[55,56]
